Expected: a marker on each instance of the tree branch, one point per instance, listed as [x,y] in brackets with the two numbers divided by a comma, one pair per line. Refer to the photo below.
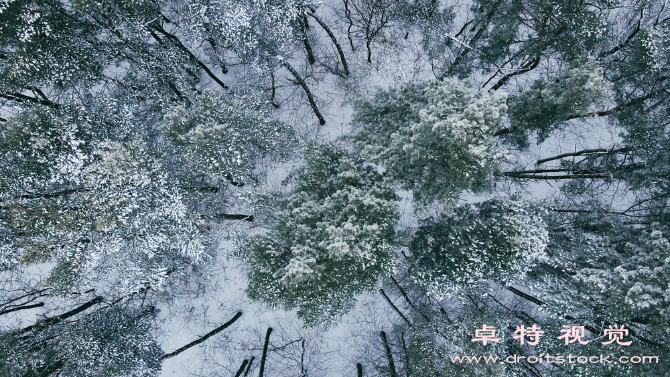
[55,194]
[521,175]
[408,366]
[229,216]
[580,153]
[411,304]
[54,320]
[310,98]
[389,355]
[463,29]
[241,370]
[527,66]
[305,42]
[46,371]
[628,39]
[188,52]
[272,96]
[265,351]
[524,295]
[519,314]
[601,113]
[618,107]
[394,307]
[222,64]
[475,38]
[302,360]
[589,173]
[22,307]
[249,365]
[38,293]
[325,27]
[18,97]
[446,316]
[347,13]
[203,338]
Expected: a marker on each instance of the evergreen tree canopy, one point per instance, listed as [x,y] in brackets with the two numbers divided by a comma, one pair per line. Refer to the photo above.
[330,238]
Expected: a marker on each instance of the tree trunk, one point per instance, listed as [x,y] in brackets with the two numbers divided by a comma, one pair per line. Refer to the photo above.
[305,42]
[528,66]
[580,153]
[347,12]
[389,355]
[394,307]
[18,97]
[241,370]
[188,52]
[249,365]
[408,366]
[265,351]
[272,96]
[404,294]
[234,216]
[325,27]
[304,86]
[203,338]
[54,320]
[22,307]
